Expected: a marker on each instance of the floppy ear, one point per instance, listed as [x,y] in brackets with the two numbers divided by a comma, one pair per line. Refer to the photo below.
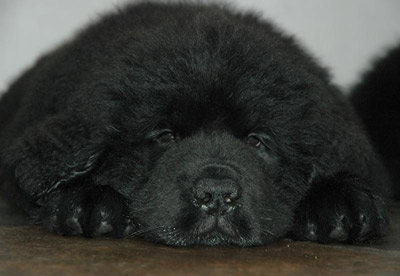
[53,153]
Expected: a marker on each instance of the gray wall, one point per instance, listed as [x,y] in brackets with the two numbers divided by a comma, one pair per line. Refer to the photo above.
[343,34]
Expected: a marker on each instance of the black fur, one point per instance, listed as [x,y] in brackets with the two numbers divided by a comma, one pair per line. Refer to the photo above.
[377,100]
[188,124]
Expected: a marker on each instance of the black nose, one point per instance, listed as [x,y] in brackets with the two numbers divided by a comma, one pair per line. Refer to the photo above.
[217,196]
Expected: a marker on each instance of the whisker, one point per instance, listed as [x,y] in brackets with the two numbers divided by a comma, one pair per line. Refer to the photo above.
[269,233]
[148,208]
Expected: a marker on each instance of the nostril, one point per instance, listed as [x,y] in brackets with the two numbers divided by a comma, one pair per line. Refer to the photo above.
[206,198]
[230,198]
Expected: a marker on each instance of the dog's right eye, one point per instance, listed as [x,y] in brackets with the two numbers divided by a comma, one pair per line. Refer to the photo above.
[165,137]
[254,141]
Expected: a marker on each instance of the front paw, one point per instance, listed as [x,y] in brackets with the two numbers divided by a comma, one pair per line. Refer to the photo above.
[79,211]
[341,209]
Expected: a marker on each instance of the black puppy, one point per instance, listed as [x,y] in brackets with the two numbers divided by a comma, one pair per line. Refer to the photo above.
[188,124]
[377,100]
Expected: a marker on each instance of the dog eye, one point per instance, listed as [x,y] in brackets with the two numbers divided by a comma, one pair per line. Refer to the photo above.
[254,141]
[166,136]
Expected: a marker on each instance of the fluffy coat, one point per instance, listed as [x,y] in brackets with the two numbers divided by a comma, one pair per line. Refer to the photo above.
[189,124]
[377,101]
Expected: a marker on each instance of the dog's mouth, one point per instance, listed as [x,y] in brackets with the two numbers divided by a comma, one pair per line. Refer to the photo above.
[206,231]
[215,226]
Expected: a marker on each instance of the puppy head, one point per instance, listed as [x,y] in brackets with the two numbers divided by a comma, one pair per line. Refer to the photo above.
[208,147]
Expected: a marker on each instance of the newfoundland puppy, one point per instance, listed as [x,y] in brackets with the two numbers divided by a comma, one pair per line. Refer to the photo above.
[377,101]
[189,124]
